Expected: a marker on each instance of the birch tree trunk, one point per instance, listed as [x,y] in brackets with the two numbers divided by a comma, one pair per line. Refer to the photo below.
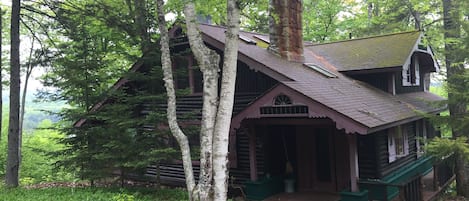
[171,110]
[216,116]
[225,107]
[208,61]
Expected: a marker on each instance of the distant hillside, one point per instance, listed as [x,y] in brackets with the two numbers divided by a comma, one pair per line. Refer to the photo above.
[35,111]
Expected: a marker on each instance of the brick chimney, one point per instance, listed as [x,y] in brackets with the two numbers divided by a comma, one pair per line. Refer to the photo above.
[286,36]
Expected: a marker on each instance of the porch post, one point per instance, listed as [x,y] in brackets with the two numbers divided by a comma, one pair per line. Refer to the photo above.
[252,154]
[353,158]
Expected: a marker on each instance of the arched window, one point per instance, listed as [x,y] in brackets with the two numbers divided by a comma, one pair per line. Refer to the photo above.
[282,100]
[283,105]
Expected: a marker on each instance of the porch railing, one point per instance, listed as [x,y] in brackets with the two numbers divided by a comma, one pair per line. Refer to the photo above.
[412,188]
[443,172]
[409,190]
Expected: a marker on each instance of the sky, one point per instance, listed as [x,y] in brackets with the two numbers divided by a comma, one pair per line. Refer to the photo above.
[25,44]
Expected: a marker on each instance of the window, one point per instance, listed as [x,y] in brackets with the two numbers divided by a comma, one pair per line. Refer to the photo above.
[421,140]
[398,143]
[282,100]
[411,73]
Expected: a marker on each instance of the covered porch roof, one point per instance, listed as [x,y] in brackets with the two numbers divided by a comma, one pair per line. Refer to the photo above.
[350,110]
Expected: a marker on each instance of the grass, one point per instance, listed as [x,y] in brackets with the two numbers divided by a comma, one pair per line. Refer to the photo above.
[90,194]
[439,90]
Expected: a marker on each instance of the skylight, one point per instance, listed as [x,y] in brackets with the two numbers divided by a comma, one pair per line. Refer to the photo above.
[247,39]
[265,39]
[321,70]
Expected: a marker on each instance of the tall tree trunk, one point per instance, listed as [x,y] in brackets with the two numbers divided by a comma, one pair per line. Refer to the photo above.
[454,68]
[29,70]
[171,107]
[141,21]
[208,61]
[1,75]
[225,107]
[14,149]
[216,118]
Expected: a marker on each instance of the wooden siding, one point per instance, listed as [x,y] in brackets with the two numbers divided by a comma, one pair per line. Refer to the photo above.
[384,167]
[241,173]
[367,156]
[407,89]
[173,173]
[249,86]
[373,154]
[190,107]
[250,81]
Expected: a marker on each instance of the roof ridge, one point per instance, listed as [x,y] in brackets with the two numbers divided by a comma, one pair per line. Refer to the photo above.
[364,38]
[243,31]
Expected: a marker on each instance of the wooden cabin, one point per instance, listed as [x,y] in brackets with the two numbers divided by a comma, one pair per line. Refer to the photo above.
[346,118]
[343,118]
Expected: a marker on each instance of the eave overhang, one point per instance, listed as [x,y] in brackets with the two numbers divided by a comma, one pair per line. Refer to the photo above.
[315,110]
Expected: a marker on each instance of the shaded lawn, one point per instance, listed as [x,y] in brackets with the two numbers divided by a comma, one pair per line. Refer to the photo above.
[90,194]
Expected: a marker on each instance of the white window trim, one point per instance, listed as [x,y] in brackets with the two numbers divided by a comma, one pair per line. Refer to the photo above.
[406,78]
[421,137]
[391,146]
[392,133]
[417,71]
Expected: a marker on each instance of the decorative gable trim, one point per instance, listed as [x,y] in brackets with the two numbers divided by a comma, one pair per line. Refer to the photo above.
[301,106]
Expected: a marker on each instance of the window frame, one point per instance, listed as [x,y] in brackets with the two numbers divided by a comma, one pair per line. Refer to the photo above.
[393,150]
[421,137]
[411,72]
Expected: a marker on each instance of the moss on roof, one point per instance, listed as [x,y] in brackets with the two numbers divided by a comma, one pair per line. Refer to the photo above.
[368,53]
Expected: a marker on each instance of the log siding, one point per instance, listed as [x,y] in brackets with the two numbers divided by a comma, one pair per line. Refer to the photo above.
[374,157]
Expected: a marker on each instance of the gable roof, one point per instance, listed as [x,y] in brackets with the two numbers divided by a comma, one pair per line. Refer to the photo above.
[384,51]
[362,104]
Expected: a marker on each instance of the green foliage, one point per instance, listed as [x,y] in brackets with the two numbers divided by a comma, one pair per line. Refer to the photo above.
[442,148]
[123,133]
[439,90]
[123,197]
[321,19]
[254,16]
[95,194]
[37,165]
[94,44]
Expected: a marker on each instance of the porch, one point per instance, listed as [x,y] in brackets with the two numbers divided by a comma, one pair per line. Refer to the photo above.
[318,160]
[422,180]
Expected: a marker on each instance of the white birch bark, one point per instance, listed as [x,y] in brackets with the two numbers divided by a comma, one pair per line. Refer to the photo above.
[216,117]
[208,61]
[225,107]
[181,138]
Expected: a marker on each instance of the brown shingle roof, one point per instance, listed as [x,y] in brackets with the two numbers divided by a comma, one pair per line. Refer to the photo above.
[424,101]
[369,53]
[356,100]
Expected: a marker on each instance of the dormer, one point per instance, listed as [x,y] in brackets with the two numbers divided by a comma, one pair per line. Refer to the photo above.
[394,63]
[415,74]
